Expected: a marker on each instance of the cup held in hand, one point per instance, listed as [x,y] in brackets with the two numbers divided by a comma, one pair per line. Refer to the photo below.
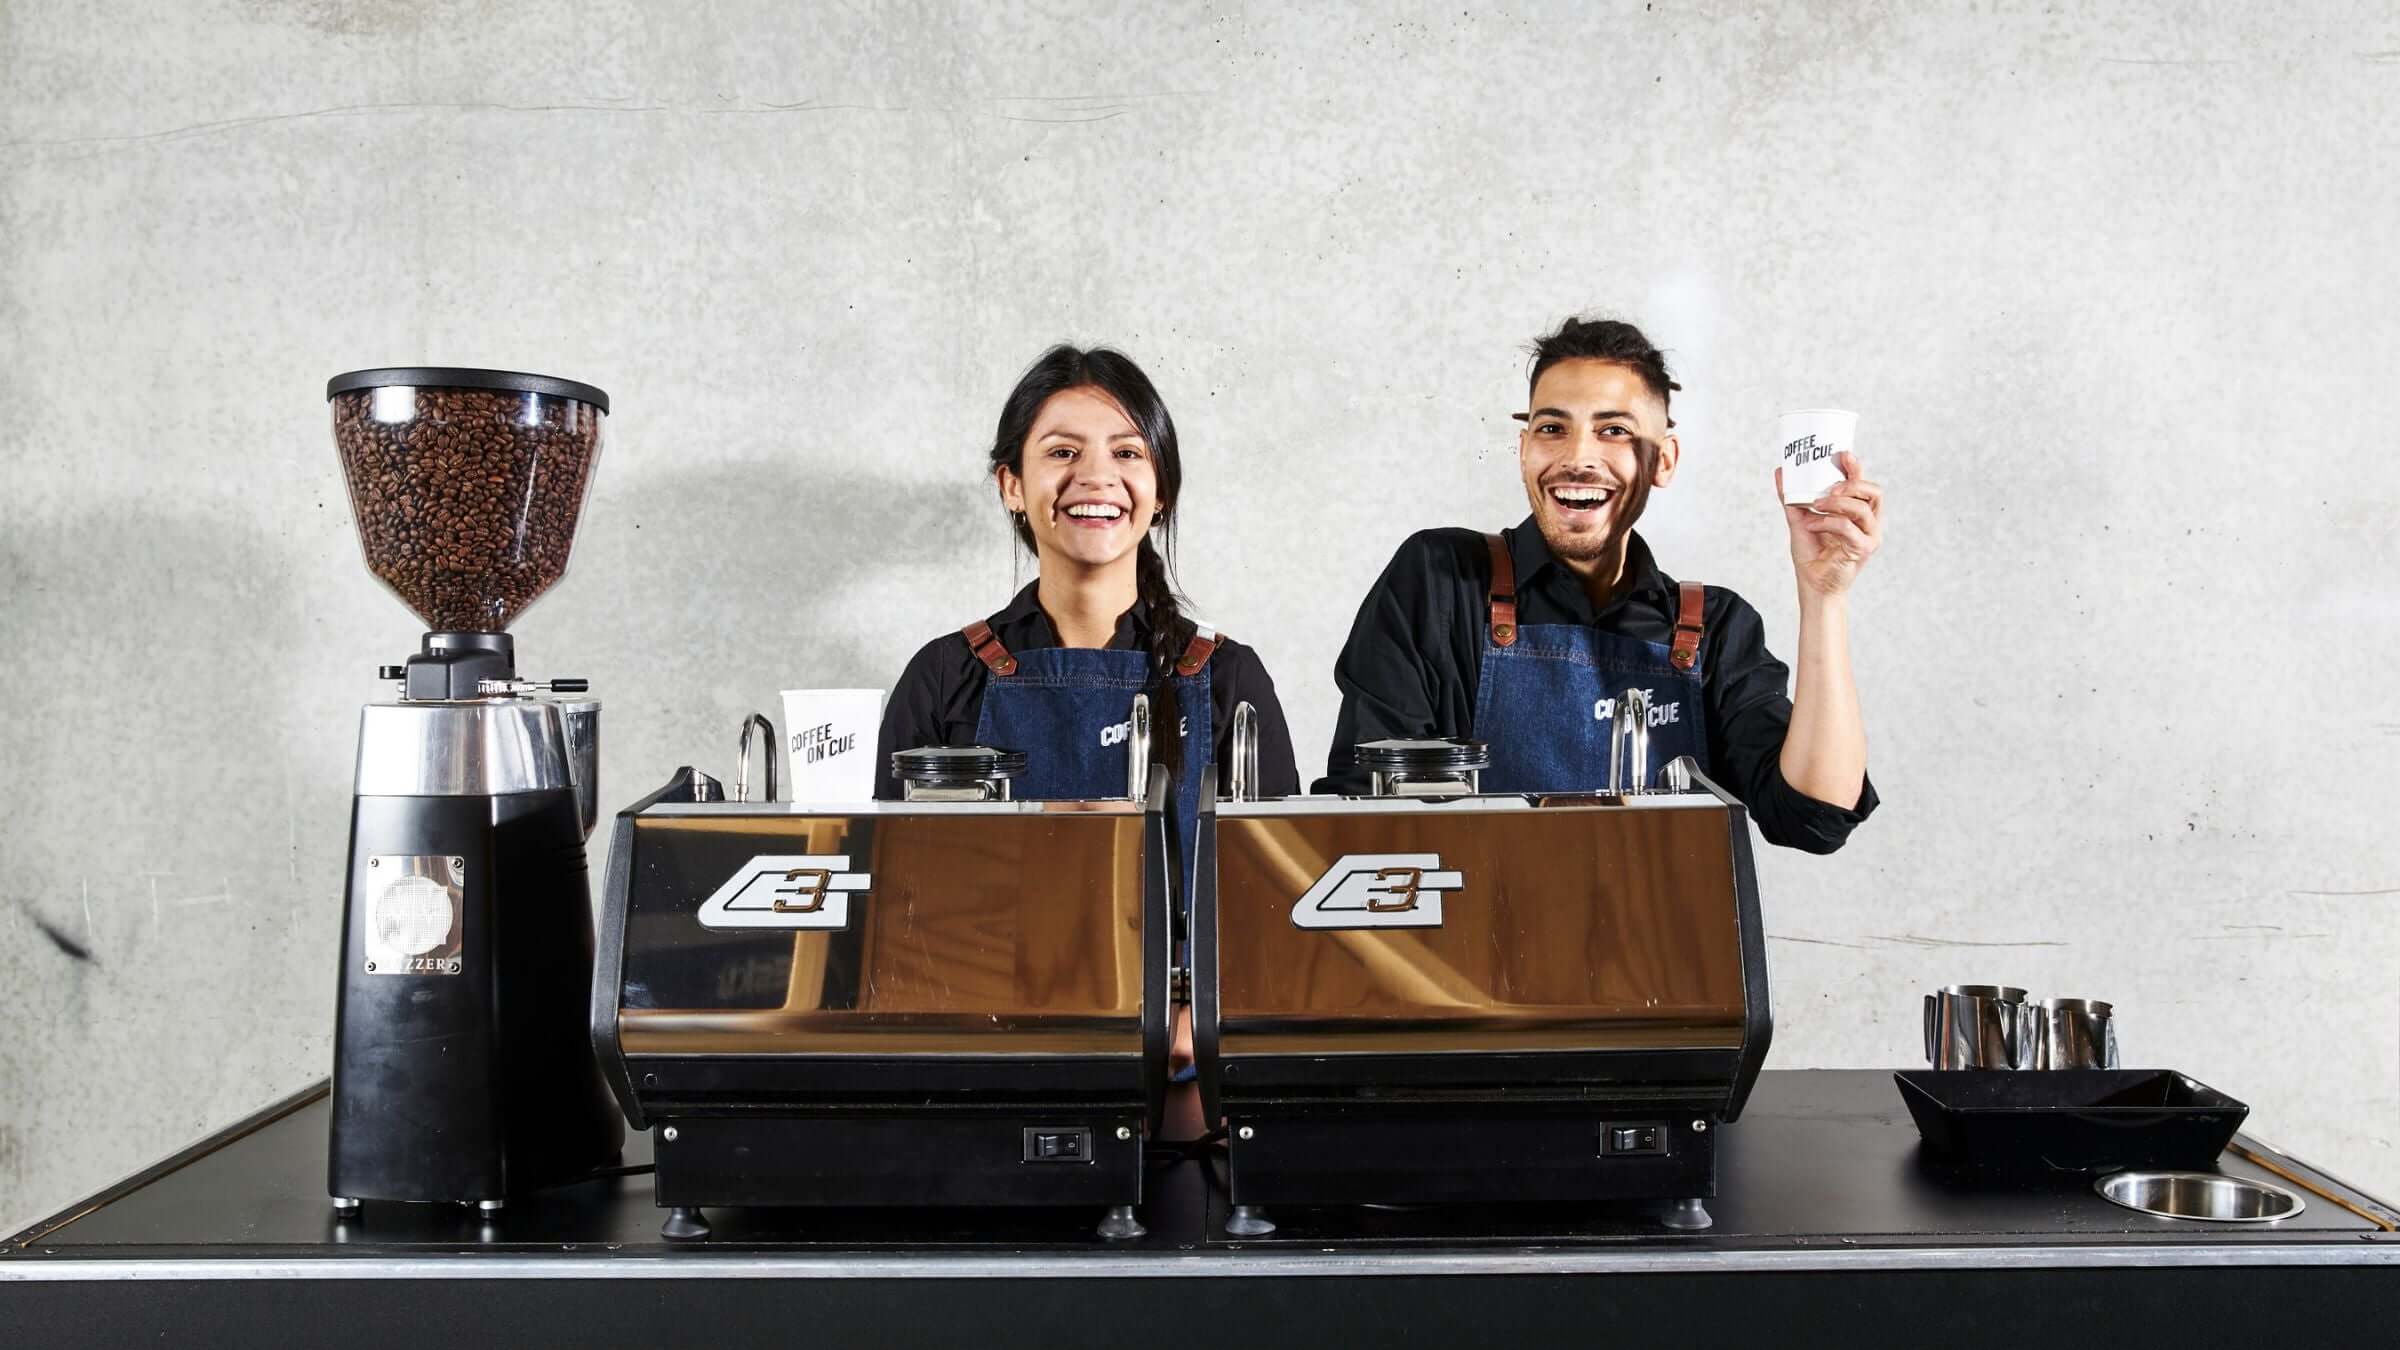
[1809,445]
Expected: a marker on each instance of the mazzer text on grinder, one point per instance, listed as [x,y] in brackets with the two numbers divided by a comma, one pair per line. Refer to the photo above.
[462,1072]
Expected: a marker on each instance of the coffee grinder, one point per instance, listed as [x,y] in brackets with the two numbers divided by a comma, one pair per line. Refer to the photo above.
[463,1072]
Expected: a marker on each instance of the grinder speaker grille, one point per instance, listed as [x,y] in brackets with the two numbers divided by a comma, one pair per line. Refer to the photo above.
[412,915]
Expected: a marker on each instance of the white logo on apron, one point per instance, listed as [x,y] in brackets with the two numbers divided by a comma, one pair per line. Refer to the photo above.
[1116,735]
[1660,713]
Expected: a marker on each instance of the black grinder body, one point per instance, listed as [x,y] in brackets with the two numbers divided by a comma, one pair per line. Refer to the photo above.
[466,1075]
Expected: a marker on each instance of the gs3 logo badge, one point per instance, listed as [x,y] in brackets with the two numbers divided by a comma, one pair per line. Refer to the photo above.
[809,890]
[1378,890]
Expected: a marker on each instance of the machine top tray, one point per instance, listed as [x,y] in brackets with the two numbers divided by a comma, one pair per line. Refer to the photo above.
[1493,801]
[1109,806]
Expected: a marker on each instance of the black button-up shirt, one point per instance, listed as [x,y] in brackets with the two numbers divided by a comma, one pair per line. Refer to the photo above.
[939,700]
[1415,658]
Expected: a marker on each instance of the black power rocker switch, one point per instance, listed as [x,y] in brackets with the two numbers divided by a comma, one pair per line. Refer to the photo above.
[1620,1141]
[1061,1144]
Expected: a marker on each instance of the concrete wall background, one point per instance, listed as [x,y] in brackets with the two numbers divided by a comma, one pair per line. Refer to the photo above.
[2112,285]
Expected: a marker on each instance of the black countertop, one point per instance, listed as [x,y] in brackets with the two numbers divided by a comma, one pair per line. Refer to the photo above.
[1821,1196]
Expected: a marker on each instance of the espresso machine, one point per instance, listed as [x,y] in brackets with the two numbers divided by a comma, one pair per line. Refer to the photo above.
[1431,993]
[461,1072]
[956,1000]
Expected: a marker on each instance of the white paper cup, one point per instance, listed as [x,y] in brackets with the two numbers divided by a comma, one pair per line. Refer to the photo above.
[829,735]
[1808,443]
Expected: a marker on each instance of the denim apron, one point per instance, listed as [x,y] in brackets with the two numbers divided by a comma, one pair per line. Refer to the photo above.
[1070,709]
[1546,698]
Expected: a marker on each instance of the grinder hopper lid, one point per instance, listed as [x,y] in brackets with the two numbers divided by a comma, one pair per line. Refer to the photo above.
[465,377]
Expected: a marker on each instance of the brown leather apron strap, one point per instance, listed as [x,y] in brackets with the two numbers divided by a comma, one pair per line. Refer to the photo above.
[1203,645]
[979,635]
[1688,626]
[1504,593]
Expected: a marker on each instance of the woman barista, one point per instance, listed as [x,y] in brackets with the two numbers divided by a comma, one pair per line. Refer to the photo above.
[1085,460]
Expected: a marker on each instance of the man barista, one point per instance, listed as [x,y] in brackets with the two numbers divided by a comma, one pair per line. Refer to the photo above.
[1527,638]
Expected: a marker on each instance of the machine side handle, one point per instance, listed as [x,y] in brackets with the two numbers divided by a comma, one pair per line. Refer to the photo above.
[608,964]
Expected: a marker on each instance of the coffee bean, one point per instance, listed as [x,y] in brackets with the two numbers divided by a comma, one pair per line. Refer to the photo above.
[468,508]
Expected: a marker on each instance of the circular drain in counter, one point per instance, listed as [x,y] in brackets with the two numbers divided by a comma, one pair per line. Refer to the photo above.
[2200,1195]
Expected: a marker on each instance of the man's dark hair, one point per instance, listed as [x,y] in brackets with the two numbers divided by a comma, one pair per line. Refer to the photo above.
[1615,340]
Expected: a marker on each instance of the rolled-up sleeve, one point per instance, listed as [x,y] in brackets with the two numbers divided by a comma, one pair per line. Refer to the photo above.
[1749,714]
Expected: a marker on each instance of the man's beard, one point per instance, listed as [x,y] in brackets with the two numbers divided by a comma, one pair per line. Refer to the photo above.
[1624,509]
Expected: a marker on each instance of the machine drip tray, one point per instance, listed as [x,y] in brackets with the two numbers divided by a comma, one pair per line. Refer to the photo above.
[1593,1160]
[907,1229]
[1451,1224]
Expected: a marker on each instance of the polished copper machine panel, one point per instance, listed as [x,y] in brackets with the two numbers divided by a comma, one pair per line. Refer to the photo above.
[1477,997]
[1010,929]
[923,1003]
[1475,928]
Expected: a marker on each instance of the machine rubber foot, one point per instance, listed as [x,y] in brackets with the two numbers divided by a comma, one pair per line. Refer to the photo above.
[1249,1221]
[1119,1224]
[1689,1215]
[345,1207]
[684,1224]
[491,1207]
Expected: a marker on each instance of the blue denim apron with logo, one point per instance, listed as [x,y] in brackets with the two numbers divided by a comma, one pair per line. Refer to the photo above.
[1070,709]
[1546,697]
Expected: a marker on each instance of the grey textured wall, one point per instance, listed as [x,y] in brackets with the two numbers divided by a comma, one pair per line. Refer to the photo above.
[2112,284]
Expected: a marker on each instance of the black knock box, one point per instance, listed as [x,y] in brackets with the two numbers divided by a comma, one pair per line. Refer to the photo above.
[2080,1122]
